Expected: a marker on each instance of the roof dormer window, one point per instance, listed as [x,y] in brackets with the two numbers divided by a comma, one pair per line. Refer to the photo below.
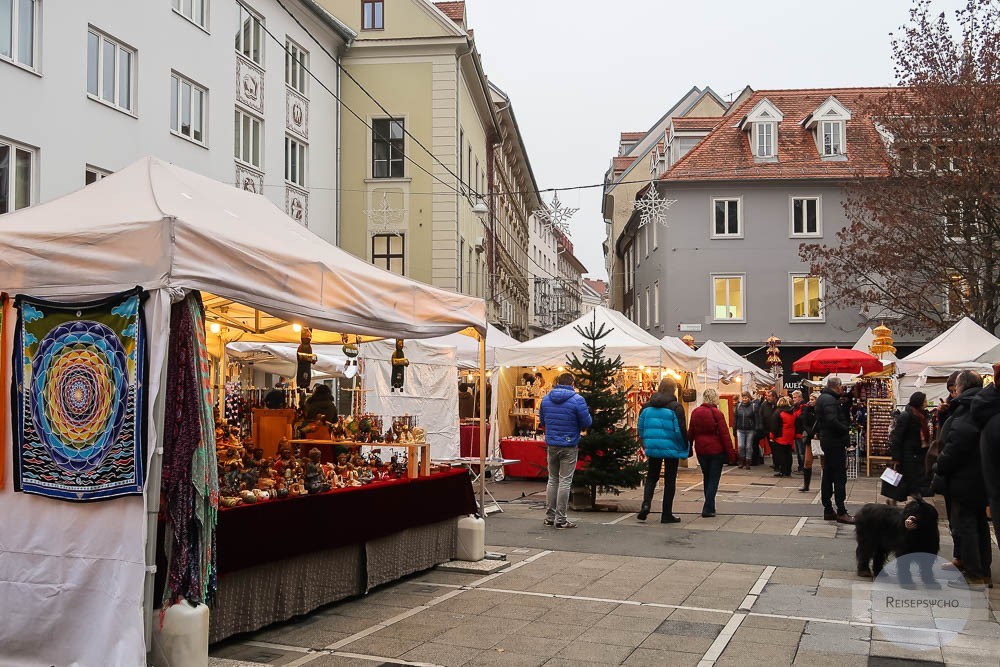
[762,125]
[829,122]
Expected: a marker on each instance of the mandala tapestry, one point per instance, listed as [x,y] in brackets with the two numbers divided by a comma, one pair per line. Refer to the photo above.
[78,397]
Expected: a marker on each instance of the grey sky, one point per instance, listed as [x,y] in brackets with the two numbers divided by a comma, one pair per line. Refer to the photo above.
[581,71]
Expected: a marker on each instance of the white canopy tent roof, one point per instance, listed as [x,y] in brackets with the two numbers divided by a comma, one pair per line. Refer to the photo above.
[864,345]
[165,229]
[722,363]
[468,350]
[281,358]
[964,346]
[636,346]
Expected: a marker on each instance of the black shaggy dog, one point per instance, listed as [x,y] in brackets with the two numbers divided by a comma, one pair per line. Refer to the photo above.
[881,530]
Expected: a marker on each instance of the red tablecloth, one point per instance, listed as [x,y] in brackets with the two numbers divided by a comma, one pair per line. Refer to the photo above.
[468,439]
[532,455]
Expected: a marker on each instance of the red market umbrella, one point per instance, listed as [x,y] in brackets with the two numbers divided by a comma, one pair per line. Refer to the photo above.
[837,360]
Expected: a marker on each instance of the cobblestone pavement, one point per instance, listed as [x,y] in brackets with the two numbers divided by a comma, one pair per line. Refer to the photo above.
[767,582]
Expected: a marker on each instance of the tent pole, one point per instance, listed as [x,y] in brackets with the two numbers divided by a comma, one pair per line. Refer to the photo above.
[482,424]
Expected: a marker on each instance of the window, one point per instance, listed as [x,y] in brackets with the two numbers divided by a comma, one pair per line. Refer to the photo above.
[109,71]
[16,171]
[193,10]
[461,159]
[479,187]
[726,218]
[645,239]
[807,298]
[833,137]
[655,242]
[727,299]
[764,145]
[296,64]
[250,36]
[387,148]
[958,294]
[18,19]
[295,162]
[468,166]
[645,309]
[93,174]
[387,252]
[656,303]
[462,282]
[806,216]
[187,108]
[372,14]
[248,138]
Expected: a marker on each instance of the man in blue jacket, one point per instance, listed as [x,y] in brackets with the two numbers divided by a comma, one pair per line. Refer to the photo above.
[563,414]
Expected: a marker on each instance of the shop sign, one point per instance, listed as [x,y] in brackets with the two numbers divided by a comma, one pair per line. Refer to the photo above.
[689,327]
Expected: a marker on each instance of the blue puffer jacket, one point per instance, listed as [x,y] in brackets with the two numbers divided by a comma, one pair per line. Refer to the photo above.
[662,428]
[564,414]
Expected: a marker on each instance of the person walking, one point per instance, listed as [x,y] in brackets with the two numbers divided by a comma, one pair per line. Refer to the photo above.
[784,436]
[746,425]
[985,412]
[564,414]
[664,438]
[800,449]
[709,435]
[807,419]
[834,437]
[960,477]
[764,424]
[942,424]
[908,443]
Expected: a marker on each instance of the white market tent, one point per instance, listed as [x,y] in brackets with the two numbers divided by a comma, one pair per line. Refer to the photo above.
[723,365]
[468,349]
[73,572]
[964,346]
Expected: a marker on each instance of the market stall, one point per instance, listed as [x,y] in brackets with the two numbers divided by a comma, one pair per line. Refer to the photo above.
[528,370]
[173,234]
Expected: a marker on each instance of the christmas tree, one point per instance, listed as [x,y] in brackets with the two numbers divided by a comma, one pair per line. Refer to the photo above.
[609,449]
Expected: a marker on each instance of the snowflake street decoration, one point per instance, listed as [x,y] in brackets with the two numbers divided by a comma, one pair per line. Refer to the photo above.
[384,219]
[556,216]
[653,208]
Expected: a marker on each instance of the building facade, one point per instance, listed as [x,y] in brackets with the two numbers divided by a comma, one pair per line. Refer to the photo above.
[594,293]
[101,84]
[767,179]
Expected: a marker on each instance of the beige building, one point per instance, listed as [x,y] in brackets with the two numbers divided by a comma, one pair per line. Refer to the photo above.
[401,208]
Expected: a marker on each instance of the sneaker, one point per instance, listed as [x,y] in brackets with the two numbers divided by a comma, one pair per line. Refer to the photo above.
[971,583]
[548,522]
[564,525]
[844,517]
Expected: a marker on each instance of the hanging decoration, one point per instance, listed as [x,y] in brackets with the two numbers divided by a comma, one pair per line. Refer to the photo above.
[688,340]
[304,360]
[350,351]
[652,207]
[774,364]
[556,216]
[882,343]
[80,398]
[399,364]
[384,219]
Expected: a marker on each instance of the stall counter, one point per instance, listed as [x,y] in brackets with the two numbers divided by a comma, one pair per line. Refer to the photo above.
[532,456]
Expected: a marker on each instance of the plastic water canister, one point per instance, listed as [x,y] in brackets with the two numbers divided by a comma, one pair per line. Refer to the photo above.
[471,538]
[182,639]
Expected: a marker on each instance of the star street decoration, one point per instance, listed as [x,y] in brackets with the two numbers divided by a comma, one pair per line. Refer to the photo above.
[556,216]
[653,208]
[384,219]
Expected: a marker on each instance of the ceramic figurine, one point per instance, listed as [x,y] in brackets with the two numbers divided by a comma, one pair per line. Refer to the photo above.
[399,364]
[315,480]
[230,501]
[304,360]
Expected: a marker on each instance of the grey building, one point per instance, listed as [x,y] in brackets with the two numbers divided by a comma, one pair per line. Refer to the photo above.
[765,180]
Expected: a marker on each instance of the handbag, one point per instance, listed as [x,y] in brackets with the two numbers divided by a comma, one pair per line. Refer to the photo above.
[895,491]
[688,393]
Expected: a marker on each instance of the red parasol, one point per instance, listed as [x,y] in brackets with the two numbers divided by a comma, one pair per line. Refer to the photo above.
[837,360]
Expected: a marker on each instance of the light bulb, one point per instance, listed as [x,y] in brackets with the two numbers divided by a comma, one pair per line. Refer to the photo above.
[215,327]
[297,328]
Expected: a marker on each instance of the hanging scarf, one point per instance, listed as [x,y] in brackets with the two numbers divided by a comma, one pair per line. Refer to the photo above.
[925,432]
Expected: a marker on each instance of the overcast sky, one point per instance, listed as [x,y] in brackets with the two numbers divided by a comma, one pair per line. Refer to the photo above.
[580,71]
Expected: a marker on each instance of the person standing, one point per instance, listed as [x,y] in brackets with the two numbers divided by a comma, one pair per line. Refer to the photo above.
[834,437]
[986,413]
[784,436]
[807,418]
[800,448]
[466,401]
[710,437]
[765,425]
[746,425]
[664,438]
[564,414]
[960,468]
[909,441]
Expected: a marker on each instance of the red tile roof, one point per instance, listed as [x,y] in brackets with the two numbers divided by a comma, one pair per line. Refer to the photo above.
[632,136]
[695,123]
[453,10]
[598,286]
[622,163]
[725,153]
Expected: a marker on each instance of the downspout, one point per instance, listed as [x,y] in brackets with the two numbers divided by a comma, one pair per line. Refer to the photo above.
[338,198]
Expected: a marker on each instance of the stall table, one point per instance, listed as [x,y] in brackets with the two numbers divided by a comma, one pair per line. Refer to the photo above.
[418,454]
[532,456]
[468,439]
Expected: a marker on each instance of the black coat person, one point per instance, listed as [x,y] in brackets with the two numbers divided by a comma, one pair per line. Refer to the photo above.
[908,443]
[986,414]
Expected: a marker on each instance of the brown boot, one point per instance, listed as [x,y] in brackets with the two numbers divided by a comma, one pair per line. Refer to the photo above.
[807,475]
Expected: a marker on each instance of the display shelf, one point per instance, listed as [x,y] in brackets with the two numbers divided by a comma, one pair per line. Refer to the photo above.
[879,424]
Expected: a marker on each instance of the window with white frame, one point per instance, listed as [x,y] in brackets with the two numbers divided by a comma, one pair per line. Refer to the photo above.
[764,140]
[195,11]
[296,66]
[248,138]
[295,162]
[728,298]
[645,309]
[726,218]
[645,239]
[16,173]
[187,108]
[807,298]
[638,310]
[805,216]
[832,132]
[93,174]
[18,33]
[110,71]
[388,252]
[627,267]
[656,303]
[250,36]
[655,242]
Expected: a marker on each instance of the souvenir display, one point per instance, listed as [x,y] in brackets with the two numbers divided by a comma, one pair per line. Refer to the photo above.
[399,364]
[305,360]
